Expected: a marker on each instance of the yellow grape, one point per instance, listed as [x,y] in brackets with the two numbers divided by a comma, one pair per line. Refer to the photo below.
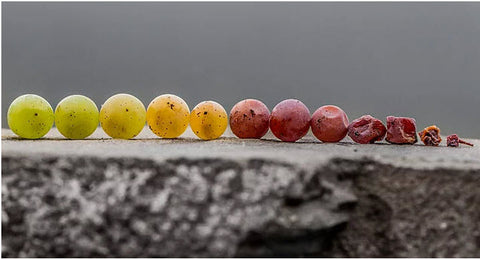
[76,117]
[208,120]
[122,116]
[30,116]
[168,116]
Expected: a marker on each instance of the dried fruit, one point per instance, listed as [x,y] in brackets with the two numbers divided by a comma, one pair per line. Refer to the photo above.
[329,123]
[366,129]
[290,120]
[454,141]
[430,136]
[249,119]
[401,130]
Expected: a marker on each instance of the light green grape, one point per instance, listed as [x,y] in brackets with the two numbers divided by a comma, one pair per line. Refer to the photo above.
[123,116]
[30,116]
[76,117]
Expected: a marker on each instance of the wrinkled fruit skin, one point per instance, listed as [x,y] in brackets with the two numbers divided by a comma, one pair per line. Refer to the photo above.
[401,130]
[208,120]
[168,116]
[366,129]
[430,136]
[329,123]
[452,141]
[249,118]
[290,120]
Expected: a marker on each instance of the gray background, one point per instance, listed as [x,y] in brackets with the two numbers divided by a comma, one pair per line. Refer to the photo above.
[407,59]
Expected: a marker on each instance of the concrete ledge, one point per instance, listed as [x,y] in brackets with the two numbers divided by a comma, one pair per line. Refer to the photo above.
[231,197]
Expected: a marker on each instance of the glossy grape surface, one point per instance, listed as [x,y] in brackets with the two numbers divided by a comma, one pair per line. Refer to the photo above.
[122,116]
[366,129]
[208,120]
[76,117]
[290,120]
[329,123]
[30,116]
[249,119]
[168,116]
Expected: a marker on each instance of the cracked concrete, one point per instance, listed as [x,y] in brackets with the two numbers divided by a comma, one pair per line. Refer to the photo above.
[231,197]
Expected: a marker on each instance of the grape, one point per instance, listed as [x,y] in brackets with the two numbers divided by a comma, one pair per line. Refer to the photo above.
[290,120]
[366,129]
[30,116]
[329,123]
[168,116]
[208,120]
[76,117]
[249,119]
[122,116]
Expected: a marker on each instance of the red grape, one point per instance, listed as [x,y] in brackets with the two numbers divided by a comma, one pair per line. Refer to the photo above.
[366,129]
[249,119]
[329,123]
[290,120]
[401,130]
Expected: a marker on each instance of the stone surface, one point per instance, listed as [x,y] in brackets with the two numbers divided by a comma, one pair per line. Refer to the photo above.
[230,197]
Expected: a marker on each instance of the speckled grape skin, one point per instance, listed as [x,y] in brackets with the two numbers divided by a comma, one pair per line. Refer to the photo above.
[249,118]
[290,120]
[168,116]
[76,117]
[123,116]
[30,116]
[329,123]
[208,120]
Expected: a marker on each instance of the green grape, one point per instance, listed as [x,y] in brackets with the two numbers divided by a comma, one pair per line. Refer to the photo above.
[76,117]
[30,116]
[123,116]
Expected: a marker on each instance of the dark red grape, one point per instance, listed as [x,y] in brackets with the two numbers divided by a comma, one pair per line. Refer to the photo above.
[290,120]
[249,119]
[329,123]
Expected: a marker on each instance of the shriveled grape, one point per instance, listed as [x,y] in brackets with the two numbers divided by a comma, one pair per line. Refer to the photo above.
[249,119]
[76,117]
[208,120]
[168,116]
[122,116]
[290,120]
[30,116]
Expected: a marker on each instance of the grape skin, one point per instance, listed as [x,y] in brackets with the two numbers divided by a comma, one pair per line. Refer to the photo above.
[168,116]
[208,120]
[122,116]
[76,117]
[290,120]
[249,119]
[30,116]
[329,123]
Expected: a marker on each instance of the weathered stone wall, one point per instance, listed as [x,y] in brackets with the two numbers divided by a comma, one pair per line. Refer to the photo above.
[129,207]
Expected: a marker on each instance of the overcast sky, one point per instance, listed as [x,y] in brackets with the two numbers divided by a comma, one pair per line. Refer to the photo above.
[406,59]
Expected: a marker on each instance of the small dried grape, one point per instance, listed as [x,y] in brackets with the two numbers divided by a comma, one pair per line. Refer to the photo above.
[168,116]
[249,119]
[30,116]
[430,136]
[401,130]
[208,120]
[366,129]
[329,123]
[76,117]
[454,141]
[122,116]
[290,120]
